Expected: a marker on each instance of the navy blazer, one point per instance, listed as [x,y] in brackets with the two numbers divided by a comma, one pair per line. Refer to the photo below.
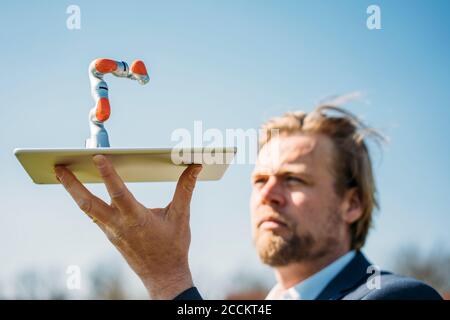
[351,284]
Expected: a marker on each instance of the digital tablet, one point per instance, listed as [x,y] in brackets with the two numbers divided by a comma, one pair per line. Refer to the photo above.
[132,164]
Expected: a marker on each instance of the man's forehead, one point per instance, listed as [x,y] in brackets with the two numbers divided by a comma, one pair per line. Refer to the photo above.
[294,153]
[270,169]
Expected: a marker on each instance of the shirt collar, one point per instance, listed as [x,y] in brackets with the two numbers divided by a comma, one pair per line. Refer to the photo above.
[311,287]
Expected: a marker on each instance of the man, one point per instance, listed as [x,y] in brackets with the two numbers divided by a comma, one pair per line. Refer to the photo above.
[311,207]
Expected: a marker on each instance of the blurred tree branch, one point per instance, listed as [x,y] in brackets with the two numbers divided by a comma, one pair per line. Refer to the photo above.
[432,268]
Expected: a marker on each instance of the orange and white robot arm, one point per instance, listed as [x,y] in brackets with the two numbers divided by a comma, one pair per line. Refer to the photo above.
[99,91]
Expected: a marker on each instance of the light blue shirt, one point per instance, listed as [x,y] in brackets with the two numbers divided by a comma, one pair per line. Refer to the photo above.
[310,288]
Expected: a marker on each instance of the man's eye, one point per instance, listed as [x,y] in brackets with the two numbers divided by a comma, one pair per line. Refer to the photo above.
[294,179]
[259,180]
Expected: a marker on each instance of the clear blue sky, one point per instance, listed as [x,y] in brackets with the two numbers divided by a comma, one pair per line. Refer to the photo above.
[231,64]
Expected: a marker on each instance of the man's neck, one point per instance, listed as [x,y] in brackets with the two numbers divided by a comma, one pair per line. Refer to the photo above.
[294,273]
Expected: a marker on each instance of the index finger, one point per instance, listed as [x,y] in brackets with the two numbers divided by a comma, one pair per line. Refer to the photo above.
[86,201]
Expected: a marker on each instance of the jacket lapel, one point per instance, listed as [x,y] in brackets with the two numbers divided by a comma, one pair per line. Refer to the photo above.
[350,277]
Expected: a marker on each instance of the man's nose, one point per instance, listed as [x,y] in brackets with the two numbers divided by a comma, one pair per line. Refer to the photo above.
[271,193]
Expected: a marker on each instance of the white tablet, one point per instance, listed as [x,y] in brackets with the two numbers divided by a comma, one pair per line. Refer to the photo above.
[133,165]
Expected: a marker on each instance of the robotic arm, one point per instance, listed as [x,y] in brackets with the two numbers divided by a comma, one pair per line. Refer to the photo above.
[99,91]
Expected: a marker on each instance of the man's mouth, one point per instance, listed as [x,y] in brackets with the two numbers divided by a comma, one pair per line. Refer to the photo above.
[271,223]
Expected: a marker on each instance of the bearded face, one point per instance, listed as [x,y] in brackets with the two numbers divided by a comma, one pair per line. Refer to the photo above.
[295,211]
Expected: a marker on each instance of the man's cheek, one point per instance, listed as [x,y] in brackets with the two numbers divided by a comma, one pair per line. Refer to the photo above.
[299,197]
[301,215]
[306,204]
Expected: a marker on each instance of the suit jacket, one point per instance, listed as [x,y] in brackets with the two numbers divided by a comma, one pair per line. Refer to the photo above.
[352,284]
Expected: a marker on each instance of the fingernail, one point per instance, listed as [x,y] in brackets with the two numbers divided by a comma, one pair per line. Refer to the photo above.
[99,160]
[196,171]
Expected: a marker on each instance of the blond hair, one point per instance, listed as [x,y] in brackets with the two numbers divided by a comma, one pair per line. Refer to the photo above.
[352,164]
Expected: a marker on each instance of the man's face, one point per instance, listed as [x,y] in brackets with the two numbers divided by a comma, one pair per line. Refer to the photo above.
[296,214]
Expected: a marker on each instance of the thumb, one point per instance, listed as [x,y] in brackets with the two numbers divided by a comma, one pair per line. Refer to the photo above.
[183,193]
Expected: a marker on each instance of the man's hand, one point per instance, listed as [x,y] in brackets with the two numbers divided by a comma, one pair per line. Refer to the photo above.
[154,242]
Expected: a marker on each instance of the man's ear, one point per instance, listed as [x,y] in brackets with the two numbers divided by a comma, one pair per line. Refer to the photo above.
[352,207]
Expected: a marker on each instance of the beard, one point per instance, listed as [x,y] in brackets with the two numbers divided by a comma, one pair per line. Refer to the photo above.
[276,251]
